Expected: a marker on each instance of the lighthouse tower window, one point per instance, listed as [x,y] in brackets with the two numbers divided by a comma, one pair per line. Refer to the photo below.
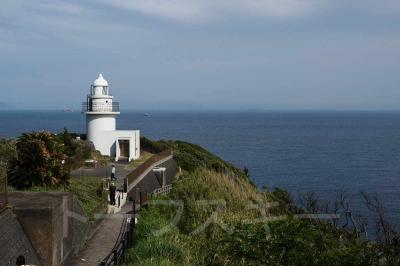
[104,90]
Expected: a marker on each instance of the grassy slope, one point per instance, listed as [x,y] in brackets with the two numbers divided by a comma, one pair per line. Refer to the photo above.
[237,236]
[144,156]
[191,156]
[178,246]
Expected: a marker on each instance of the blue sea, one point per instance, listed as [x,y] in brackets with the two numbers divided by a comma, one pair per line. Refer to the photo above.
[322,152]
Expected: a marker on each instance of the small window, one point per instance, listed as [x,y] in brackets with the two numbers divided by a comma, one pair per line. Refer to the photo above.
[104,90]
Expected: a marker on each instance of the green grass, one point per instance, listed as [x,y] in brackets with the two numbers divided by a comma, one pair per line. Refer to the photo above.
[178,246]
[289,241]
[89,191]
[86,189]
[249,239]
[151,249]
[102,160]
[191,156]
[144,156]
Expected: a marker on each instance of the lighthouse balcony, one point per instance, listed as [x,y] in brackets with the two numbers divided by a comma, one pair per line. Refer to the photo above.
[100,107]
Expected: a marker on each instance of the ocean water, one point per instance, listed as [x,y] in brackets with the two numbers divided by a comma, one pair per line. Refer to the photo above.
[322,152]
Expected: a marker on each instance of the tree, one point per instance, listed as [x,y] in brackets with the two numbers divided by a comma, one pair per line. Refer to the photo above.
[38,162]
[7,153]
[76,150]
[7,150]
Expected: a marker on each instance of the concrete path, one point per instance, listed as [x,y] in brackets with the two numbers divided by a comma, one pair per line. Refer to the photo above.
[103,240]
[121,171]
[106,233]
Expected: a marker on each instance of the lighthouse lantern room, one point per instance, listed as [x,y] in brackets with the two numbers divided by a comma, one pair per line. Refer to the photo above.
[101,113]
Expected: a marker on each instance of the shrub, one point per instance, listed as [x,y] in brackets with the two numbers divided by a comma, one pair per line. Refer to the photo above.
[45,159]
[39,161]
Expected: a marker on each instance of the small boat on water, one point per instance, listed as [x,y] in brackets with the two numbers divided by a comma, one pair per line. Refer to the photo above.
[146,114]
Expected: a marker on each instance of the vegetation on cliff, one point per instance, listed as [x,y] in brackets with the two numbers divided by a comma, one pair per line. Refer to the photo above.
[45,159]
[42,161]
[191,156]
[214,216]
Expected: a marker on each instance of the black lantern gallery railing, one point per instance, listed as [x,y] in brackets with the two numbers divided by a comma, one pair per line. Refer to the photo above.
[100,107]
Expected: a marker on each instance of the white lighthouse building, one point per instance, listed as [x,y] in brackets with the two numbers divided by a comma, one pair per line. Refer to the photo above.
[101,113]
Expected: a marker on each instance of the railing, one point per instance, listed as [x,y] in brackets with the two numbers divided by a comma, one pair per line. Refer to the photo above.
[123,243]
[100,107]
[162,190]
[146,166]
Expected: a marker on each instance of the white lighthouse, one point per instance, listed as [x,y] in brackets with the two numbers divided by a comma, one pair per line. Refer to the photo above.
[101,113]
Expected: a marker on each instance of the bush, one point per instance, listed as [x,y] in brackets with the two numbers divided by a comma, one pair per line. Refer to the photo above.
[39,161]
[75,150]
[45,159]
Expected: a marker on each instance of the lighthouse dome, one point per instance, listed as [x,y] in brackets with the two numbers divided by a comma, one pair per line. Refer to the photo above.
[100,81]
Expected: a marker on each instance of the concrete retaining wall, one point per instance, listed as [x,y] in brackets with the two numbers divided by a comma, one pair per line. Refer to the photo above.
[150,182]
[54,222]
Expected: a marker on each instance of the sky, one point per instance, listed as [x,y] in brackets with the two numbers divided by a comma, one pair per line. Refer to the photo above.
[202,54]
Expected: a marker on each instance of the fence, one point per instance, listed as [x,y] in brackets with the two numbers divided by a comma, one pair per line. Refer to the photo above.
[125,238]
[123,243]
[145,167]
[162,190]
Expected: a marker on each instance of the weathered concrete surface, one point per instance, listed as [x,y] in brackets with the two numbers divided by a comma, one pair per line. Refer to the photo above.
[150,182]
[103,240]
[54,222]
[122,169]
[13,241]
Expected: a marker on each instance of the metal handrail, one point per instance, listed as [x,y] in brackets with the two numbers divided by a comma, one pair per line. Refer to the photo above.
[162,190]
[123,243]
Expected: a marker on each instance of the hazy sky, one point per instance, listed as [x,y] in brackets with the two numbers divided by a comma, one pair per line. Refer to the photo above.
[202,54]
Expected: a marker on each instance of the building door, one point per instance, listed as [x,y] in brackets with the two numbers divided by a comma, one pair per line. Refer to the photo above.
[123,149]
